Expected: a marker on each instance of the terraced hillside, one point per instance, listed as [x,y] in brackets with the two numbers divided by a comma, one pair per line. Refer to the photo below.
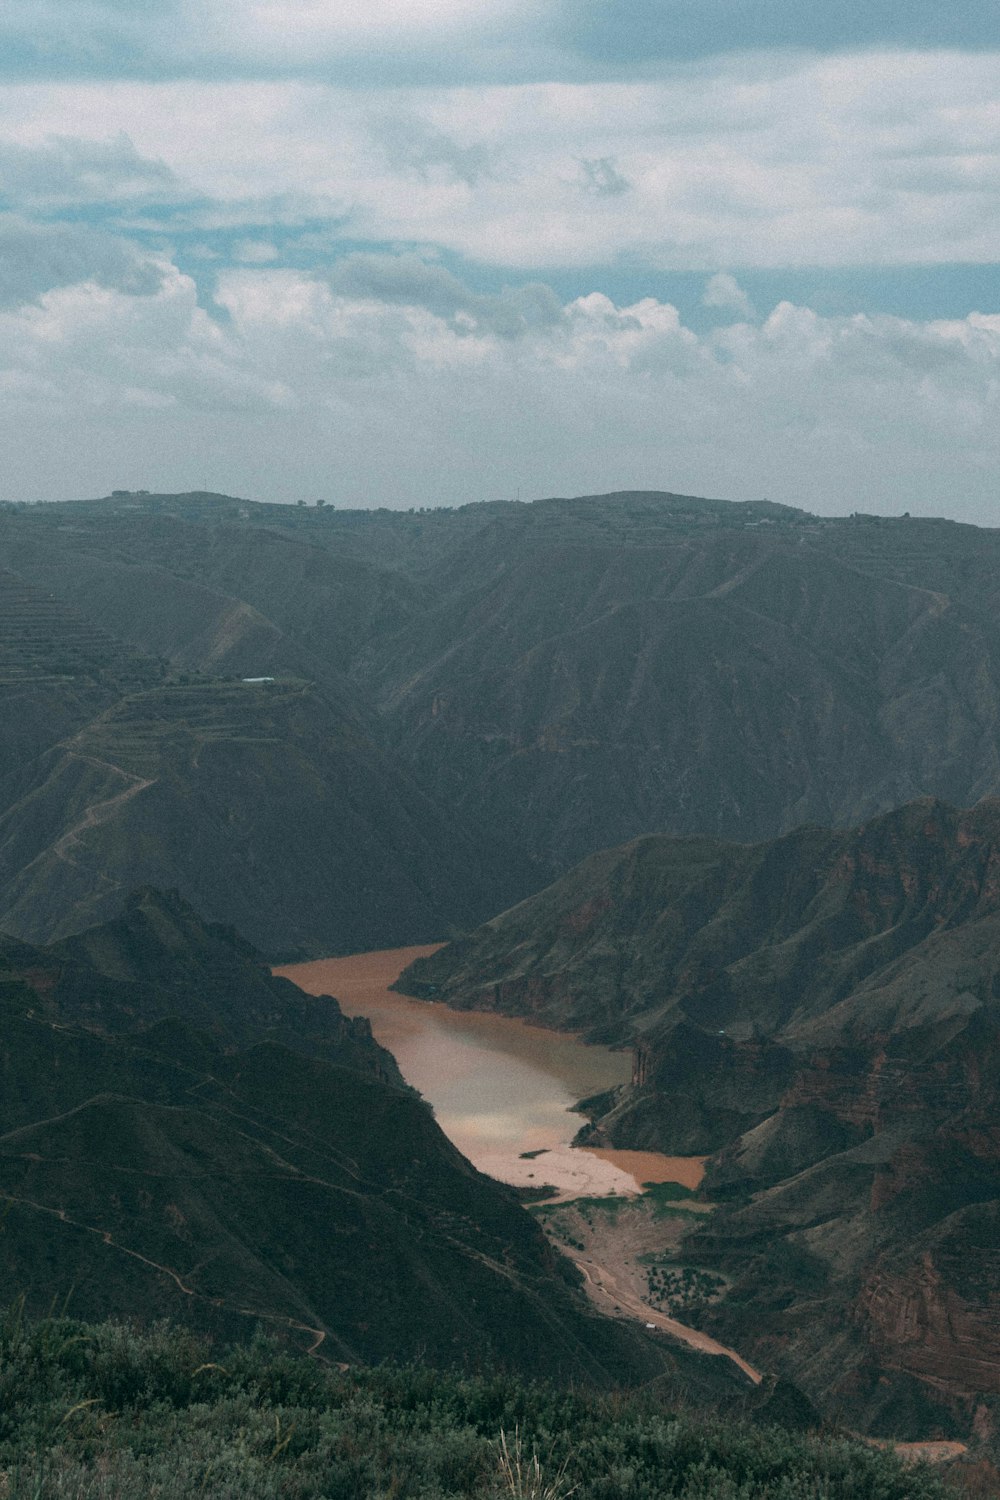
[58,668]
[259,801]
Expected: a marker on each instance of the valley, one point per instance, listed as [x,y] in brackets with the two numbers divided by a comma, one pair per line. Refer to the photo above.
[684,809]
[502,1091]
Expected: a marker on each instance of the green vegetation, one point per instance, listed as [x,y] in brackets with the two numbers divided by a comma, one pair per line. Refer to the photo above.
[609,1207]
[100,1410]
[666,1192]
[666,1198]
[676,1288]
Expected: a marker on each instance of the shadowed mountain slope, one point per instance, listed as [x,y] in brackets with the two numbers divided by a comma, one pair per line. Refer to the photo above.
[260,802]
[571,673]
[822,1013]
[541,680]
[265,1169]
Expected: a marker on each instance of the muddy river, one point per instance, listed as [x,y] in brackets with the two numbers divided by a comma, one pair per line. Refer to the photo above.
[501,1089]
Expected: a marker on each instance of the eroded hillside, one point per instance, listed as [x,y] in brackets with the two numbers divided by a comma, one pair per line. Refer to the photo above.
[821,1013]
[542,680]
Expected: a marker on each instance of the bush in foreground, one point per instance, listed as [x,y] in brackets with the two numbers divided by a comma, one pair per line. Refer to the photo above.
[110,1411]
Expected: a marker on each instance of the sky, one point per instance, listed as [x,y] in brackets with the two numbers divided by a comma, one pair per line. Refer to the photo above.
[421,252]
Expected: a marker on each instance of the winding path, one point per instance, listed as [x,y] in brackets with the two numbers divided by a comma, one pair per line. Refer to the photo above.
[318,1335]
[98,812]
[607,1293]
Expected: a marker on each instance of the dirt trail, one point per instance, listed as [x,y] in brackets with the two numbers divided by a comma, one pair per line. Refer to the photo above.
[318,1335]
[607,1293]
[933,1452]
[98,812]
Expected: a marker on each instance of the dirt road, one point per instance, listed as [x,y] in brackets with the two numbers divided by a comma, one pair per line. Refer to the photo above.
[608,1294]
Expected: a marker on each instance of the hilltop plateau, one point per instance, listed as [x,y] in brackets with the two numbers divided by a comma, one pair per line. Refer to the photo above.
[820,1013]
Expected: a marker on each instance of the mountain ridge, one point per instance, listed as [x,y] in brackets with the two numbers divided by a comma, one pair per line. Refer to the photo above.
[541,680]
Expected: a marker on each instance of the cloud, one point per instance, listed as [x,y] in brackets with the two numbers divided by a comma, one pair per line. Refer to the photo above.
[254,252]
[400,376]
[602,178]
[72,170]
[36,258]
[632,34]
[436,42]
[724,292]
[411,282]
[891,159]
[95,346]
[356,43]
[410,145]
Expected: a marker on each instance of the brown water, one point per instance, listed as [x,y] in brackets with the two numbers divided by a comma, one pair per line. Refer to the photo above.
[499,1086]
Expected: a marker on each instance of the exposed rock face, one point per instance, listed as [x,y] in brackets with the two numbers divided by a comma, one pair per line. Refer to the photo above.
[936,1315]
[822,1013]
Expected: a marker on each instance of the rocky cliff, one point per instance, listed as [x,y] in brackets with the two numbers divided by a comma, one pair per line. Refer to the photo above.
[820,1012]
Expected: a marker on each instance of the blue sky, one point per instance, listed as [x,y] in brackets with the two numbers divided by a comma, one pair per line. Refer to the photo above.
[450,250]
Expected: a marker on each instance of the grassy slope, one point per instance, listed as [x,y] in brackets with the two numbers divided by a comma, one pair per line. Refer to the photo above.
[100,1410]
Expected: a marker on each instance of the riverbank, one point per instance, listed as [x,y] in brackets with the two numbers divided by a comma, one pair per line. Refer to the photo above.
[502,1090]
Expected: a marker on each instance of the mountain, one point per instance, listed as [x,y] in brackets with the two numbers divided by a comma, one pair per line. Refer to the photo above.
[263,804]
[821,1013]
[183,1135]
[540,680]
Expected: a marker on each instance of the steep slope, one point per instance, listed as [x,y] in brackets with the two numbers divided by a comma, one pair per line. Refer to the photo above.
[728,684]
[542,679]
[57,670]
[822,1012]
[571,673]
[261,803]
[149,1168]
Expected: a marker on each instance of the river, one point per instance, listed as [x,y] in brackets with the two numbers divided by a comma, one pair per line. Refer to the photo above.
[502,1090]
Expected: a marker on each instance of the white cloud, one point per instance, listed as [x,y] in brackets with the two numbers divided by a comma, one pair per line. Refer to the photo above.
[94,346]
[724,292]
[70,170]
[891,159]
[415,389]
